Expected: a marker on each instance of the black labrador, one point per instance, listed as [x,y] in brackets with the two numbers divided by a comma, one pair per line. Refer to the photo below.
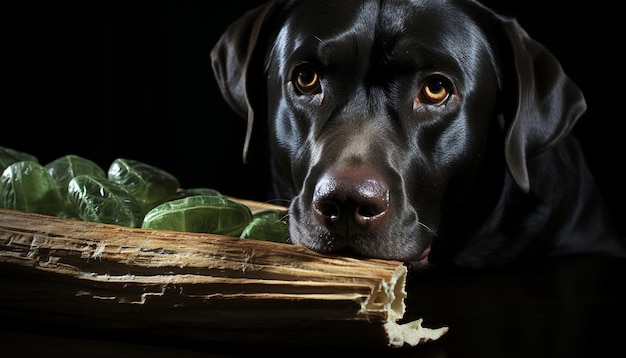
[422,131]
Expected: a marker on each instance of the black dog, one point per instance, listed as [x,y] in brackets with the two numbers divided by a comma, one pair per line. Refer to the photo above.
[420,131]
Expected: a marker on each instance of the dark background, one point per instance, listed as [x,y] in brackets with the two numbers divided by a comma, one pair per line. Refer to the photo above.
[132,79]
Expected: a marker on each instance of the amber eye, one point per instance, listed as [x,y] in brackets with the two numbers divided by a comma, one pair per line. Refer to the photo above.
[436,90]
[306,80]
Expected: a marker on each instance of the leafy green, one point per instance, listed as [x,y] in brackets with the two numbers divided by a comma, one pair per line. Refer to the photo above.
[200,213]
[266,228]
[27,186]
[149,185]
[9,156]
[131,193]
[68,167]
[102,200]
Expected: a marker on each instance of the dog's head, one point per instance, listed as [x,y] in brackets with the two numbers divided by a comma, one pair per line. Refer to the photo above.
[384,116]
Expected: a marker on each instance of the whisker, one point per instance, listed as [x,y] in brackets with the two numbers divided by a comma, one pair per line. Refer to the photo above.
[427,228]
[281,202]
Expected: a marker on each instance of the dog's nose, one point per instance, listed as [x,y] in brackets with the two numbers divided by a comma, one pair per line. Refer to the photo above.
[351,202]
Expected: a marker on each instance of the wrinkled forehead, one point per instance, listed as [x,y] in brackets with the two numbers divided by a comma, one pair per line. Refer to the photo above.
[326,27]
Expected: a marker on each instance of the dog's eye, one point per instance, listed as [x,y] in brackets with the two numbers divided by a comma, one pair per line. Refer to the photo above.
[436,90]
[307,81]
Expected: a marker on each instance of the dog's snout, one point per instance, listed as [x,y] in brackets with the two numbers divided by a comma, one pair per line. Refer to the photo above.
[351,202]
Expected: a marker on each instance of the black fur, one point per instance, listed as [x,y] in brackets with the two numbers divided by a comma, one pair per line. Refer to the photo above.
[375,164]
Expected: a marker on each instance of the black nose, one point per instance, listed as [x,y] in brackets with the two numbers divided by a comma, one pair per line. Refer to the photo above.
[351,202]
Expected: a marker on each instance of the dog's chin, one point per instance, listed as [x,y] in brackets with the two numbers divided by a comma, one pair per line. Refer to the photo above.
[329,245]
[414,265]
[421,264]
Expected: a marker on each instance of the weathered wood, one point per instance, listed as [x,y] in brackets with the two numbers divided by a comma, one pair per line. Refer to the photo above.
[201,286]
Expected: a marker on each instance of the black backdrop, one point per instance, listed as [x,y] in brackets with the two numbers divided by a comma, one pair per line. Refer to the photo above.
[132,79]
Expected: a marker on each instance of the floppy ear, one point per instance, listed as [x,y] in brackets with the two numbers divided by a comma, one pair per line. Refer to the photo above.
[546,103]
[231,58]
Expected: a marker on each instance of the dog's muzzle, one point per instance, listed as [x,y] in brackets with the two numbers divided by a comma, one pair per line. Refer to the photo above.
[350,203]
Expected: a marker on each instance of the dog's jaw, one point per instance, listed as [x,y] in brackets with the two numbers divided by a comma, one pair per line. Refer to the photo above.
[405,243]
[422,263]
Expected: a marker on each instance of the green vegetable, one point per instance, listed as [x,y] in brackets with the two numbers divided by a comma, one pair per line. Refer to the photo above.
[9,156]
[102,200]
[131,193]
[266,228]
[70,166]
[27,186]
[200,213]
[149,185]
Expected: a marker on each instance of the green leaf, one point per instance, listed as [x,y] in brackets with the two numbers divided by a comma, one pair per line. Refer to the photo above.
[27,186]
[9,156]
[102,200]
[149,185]
[68,167]
[200,213]
[266,229]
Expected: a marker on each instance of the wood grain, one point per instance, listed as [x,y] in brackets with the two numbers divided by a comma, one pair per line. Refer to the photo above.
[200,286]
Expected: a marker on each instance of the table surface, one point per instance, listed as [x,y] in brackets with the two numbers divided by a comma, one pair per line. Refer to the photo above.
[568,307]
